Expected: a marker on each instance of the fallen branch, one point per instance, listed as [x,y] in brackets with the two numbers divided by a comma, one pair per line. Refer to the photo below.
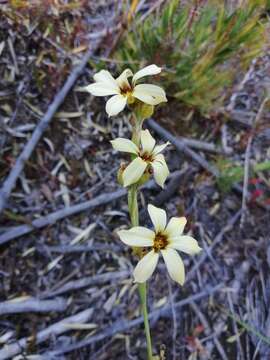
[68,211]
[215,242]
[60,214]
[244,118]
[58,328]
[171,189]
[86,282]
[70,249]
[167,193]
[182,147]
[32,305]
[208,329]
[124,325]
[10,181]
[200,145]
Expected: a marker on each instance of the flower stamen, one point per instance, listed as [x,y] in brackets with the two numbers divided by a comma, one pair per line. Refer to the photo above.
[125,90]
[160,242]
[147,157]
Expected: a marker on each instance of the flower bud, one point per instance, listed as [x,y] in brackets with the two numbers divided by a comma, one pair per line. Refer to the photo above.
[146,110]
[142,110]
[120,174]
[145,177]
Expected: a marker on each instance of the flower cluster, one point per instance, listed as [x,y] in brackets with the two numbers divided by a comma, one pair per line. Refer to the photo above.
[146,159]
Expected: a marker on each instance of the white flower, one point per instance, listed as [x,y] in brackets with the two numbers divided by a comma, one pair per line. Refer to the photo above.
[148,157]
[125,91]
[167,238]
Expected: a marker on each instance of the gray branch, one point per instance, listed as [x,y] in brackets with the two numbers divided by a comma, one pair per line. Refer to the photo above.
[32,305]
[86,282]
[58,328]
[60,214]
[52,218]
[182,146]
[10,181]
[124,325]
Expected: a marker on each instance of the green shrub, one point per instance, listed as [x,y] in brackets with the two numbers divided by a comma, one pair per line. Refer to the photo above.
[202,51]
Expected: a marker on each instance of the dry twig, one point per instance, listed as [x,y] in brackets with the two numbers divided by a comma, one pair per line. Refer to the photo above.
[86,282]
[215,242]
[58,328]
[124,325]
[16,306]
[68,211]
[60,214]
[182,147]
[208,331]
[174,318]
[10,181]
[247,161]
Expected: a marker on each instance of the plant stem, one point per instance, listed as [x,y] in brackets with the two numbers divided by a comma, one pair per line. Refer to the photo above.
[133,205]
[134,216]
[136,133]
[143,297]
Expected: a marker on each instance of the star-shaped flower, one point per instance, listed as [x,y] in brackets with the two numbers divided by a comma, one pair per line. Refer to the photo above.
[165,239]
[125,91]
[148,157]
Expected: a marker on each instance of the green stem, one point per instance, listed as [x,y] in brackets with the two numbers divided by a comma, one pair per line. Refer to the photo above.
[143,297]
[133,205]
[134,216]
[136,133]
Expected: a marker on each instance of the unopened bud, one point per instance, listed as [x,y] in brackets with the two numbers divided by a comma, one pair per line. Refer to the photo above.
[145,177]
[142,110]
[146,111]
[120,174]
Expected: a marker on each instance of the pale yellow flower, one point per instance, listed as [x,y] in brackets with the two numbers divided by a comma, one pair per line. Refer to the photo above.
[125,91]
[148,157]
[165,239]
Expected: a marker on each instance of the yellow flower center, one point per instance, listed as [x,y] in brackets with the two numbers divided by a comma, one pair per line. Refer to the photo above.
[126,90]
[160,242]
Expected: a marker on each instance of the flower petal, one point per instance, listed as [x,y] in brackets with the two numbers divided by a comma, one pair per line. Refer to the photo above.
[101,89]
[185,243]
[159,148]
[125,145]
[160,168]
[137,236]
[115,104]
[134,171]
[149,94]
[158,217]
[176,226]
[105,77]
[145,267]
[147,141]
[148,70]
[122,80]
[174,264]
